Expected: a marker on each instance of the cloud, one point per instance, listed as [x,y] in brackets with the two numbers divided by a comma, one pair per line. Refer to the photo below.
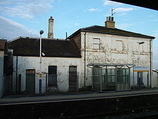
[77,24]
[93,9]
[10,29]
[25,9]
[111,3]
[117,8]
[121,9]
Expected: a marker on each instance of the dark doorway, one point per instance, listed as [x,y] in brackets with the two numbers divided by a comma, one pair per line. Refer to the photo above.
[30,81]
[73,78]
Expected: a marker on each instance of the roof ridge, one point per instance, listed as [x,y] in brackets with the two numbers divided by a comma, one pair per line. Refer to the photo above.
[114,31]
[21,37]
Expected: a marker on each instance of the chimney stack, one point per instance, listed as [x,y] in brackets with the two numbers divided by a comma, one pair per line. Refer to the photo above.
[50,27]
[109,23]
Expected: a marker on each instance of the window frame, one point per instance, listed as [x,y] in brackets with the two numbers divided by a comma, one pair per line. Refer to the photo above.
[96,45]
[52,76]
[123,75]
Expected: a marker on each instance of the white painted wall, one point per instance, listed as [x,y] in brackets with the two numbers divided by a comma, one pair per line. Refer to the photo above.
[115,49]
[62,71]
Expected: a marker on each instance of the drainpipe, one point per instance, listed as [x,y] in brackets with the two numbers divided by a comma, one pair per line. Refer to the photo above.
[85,59]
[150,75]
[16,82]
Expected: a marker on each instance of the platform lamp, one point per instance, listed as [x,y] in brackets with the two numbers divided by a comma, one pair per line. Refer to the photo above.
[40,80]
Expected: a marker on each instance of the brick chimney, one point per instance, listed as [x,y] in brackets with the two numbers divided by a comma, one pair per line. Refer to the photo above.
[50,27]
[109,23]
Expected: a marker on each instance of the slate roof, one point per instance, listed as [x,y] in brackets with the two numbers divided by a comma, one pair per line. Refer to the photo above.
[112,31]
[25,46]
[2,44]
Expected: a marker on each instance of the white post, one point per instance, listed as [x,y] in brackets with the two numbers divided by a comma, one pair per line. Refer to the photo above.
[40,52]
[40,80]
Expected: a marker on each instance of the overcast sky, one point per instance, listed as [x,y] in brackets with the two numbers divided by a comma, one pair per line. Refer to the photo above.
[28,17]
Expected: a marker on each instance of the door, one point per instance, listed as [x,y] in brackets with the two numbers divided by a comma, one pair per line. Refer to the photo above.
[73,78]
[30,81]
[97,82]
[139,79]
[123,79]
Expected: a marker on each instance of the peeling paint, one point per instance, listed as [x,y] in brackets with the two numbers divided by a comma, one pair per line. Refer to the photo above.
[116,49]
[33,63]
[113,49]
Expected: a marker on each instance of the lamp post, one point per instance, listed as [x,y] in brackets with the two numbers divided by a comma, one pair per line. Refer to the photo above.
[40,80]
[41,32]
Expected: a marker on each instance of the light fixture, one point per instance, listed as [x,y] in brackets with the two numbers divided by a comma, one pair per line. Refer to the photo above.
[141,43]
[41,32]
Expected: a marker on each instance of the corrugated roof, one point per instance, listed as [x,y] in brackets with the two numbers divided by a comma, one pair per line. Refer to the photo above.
[25,46]
[112,31]
[2,44]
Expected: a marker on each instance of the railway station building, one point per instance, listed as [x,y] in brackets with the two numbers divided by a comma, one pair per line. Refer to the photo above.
[103,57]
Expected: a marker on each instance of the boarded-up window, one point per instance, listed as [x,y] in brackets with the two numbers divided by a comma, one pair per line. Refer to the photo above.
[52,75]
[119,45]
[96,43]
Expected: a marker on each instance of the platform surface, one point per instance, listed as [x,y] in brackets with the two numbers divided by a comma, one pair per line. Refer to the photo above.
[73,97]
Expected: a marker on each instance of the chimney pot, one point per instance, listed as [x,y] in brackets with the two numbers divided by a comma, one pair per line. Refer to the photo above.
[109,23]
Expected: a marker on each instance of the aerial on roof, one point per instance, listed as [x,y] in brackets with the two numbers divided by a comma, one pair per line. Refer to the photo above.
[113,31]
[25,46]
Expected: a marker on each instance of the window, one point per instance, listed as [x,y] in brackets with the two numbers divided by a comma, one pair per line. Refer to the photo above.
[123,75]
[111,75]
[96,43]
[52,75]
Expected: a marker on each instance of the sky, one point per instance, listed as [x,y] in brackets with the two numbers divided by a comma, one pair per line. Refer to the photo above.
[28,17]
